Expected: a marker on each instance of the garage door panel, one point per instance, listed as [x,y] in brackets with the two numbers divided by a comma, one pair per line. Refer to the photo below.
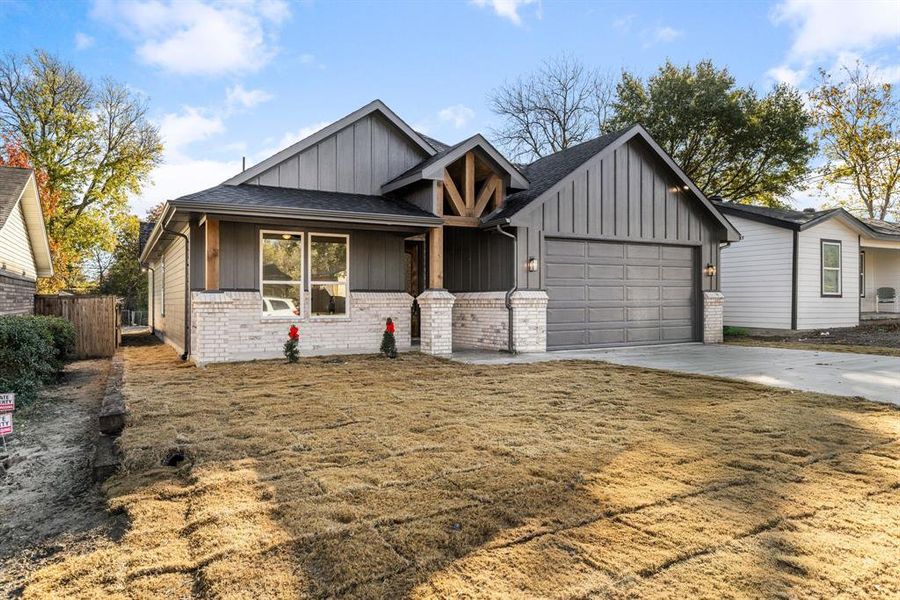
[597,337]
[677,334]
[605,250]
[645,273]
[643,313]
[614,272]
[642,293]
[677,253]
[566,248]
[639,251]
[601,293]
[607,315]
[606,293]
[643,334]
[567,271]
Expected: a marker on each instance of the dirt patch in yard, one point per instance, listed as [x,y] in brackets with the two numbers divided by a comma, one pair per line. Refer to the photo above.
[882,337]
[48,499]
[367,478]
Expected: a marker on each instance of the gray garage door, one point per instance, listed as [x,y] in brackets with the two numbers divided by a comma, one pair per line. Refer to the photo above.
[614,294]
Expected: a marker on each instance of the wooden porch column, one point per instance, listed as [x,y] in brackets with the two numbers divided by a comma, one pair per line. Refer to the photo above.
[212,254]
[436,242]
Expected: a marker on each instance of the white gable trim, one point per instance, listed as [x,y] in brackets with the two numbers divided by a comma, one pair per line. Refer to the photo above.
[30,203]
[374,106]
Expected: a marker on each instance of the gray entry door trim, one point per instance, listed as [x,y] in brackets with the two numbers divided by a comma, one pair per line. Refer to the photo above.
[620,294]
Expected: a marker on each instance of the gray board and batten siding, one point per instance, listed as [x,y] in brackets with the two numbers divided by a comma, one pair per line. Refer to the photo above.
[627,194]
[376,256]
[357,159]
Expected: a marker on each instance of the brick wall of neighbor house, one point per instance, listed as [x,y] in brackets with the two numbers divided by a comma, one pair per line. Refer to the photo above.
[16,294]
[229,327]
[480,320]
[713,317]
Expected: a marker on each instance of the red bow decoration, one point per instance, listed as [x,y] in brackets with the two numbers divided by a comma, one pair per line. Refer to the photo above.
[390,326]
[294,333]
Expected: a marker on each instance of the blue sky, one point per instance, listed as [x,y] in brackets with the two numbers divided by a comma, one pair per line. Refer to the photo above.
[226,80]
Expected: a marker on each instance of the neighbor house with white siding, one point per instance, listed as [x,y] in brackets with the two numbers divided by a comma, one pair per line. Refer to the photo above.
[808,269]
[24,248]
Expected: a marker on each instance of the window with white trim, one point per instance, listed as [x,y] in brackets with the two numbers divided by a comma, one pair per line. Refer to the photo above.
[281,273]
[831,268]
[329,271]
[862,274]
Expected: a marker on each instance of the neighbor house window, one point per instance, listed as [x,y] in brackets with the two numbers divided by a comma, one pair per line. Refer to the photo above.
[328,273]
[862,274]
[831,268]
[281,273]
[162,288]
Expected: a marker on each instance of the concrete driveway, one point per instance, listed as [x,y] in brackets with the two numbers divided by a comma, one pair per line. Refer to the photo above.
[841,373]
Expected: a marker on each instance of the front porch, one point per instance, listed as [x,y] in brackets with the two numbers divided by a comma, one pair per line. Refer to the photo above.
[880,280]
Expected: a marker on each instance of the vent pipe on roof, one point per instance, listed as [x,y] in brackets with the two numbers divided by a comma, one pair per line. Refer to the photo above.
[809,211]
[243,164]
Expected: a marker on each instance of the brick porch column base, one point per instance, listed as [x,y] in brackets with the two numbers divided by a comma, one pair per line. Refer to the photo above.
[713,317]
[529,320]
[436,312]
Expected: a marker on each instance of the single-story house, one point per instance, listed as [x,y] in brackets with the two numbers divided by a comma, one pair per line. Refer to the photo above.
[808,269]
[604,243]
[24,247]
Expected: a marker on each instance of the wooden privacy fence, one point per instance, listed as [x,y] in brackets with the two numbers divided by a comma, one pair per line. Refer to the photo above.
[96,321]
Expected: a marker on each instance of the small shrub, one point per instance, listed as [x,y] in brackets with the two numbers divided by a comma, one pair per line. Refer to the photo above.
[730,331]
[27,356]
[291,353]
[62,337]
[388,343]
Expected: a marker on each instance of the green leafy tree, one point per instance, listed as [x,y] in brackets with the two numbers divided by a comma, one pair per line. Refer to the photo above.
[92,141]
[123,276]
[730,141]
[858,122]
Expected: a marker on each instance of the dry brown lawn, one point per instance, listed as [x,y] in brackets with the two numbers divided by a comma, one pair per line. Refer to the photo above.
[421,478]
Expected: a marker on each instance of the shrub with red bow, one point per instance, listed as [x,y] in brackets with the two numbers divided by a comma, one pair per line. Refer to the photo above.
[291,351]
[388,344]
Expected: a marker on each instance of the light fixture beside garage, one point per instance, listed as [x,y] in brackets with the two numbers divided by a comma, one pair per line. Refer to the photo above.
[710,270]
[532,265]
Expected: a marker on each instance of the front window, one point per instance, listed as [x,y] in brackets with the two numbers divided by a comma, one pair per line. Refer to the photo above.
[862,274]
[328,274]
[281,273]
[831,268]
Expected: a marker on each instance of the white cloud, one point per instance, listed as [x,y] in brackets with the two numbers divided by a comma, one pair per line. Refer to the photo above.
[238,97]
[83,41]
[508,9]
[196,37]
[785,74]
[623,23]
[179,130]
[830,27]
[666,34]
[458,115]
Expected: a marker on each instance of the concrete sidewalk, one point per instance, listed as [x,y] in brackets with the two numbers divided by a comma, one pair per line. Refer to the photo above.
[845,374]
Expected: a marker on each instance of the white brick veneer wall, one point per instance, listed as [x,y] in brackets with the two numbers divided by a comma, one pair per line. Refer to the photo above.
[436,316]
[713,317]
[480,320]
[229,326]
[530,321]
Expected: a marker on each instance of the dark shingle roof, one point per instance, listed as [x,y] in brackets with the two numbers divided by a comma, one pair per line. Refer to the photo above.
[885,227]
[144,235]
[426,163]
[12,180]
[783,215]
[263,196]
[546,172]
[437,144]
